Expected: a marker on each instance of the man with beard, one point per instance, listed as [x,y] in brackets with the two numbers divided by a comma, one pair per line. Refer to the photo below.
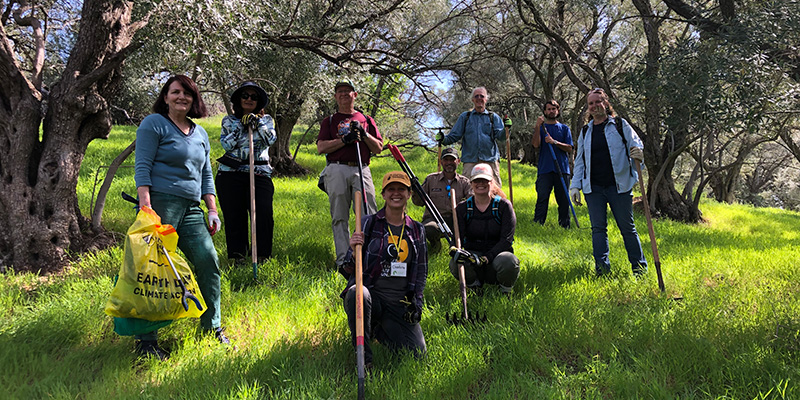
[437,185]
[548,179]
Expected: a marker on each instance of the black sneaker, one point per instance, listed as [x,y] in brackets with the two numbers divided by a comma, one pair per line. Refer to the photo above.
[150,348]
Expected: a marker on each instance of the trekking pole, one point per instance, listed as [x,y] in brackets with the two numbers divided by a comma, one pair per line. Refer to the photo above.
[651,231]
[439,159]
[253,248]
[359,307]
[508,155]
[415,185]
[461,277]
[353,126]
[561,173]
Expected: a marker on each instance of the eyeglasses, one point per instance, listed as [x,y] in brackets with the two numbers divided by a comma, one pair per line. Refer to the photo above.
[478,96]
[245,96]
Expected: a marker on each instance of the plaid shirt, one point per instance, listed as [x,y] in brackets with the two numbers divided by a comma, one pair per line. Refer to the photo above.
[236,143]
[375,242]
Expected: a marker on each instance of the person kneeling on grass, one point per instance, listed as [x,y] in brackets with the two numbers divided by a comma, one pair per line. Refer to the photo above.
[395,269]
[486,224]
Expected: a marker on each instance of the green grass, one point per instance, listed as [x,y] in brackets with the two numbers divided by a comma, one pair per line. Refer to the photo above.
[563,334]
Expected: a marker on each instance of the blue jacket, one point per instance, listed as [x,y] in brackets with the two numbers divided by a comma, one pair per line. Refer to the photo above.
[236,142]
[624,174]
[478,133]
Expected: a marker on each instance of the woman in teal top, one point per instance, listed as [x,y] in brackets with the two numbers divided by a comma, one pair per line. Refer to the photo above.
[173,173]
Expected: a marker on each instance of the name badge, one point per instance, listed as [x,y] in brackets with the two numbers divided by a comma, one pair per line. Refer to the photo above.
[399,269]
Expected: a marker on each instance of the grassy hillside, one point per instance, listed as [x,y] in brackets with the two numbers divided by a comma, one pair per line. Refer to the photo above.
[563,334]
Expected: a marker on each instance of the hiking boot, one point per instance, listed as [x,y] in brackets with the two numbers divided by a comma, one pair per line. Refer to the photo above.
[150,348]
[219,334]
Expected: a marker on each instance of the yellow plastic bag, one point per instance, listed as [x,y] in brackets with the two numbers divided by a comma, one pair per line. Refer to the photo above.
[147,287]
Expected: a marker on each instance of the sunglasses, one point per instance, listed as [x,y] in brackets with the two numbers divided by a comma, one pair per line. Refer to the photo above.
[479,96]
[246,96]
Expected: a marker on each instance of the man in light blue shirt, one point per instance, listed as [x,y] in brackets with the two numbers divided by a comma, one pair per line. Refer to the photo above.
[478,130]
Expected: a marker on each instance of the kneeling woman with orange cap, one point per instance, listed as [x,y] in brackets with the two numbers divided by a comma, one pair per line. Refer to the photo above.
[486,224]
[395,271]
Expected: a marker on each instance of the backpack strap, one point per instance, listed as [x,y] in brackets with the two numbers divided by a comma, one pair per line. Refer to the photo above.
[583,153]
[470,209]
[496,208]
[491,119]
[618,123]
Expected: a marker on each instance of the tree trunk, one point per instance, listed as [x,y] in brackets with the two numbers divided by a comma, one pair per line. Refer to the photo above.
[39,198]
[664,198]
[287,114]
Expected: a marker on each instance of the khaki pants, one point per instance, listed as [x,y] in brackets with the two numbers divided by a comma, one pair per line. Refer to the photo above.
[341,183]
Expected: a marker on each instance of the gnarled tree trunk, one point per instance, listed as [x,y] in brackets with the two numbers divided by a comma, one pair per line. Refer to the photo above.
[38,202]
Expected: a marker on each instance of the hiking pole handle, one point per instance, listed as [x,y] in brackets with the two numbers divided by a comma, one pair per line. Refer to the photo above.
[650,230]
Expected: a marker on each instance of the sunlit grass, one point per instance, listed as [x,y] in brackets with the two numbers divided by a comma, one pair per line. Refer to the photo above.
[564,334]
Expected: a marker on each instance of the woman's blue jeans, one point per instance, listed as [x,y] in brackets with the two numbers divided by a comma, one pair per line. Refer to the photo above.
[621,205]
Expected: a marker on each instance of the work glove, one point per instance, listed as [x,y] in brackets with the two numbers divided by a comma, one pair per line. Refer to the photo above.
[250,121]
[637,154]
[439,137]
[214,222]
[463,256]
[413,314]
[507,122]
[575,195]
[353,134]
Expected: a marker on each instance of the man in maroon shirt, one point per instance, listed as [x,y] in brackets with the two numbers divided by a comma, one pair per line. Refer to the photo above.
[339,143]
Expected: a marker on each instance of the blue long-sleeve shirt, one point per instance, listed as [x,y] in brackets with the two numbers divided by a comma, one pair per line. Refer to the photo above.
[170,162]
[478,133]
[235,141]
[624,175]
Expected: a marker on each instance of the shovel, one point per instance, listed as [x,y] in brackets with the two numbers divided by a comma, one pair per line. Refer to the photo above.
[454,319]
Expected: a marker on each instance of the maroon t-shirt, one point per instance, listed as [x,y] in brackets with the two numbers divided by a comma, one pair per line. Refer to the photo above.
[338,125]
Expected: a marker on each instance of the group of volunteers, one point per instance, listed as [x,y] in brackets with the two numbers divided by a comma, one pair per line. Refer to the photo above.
[173,173]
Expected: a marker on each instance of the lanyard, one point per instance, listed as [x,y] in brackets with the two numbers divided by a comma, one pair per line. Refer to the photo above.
[399,238]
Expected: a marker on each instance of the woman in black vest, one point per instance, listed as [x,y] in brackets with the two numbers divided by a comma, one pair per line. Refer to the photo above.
[486,224]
